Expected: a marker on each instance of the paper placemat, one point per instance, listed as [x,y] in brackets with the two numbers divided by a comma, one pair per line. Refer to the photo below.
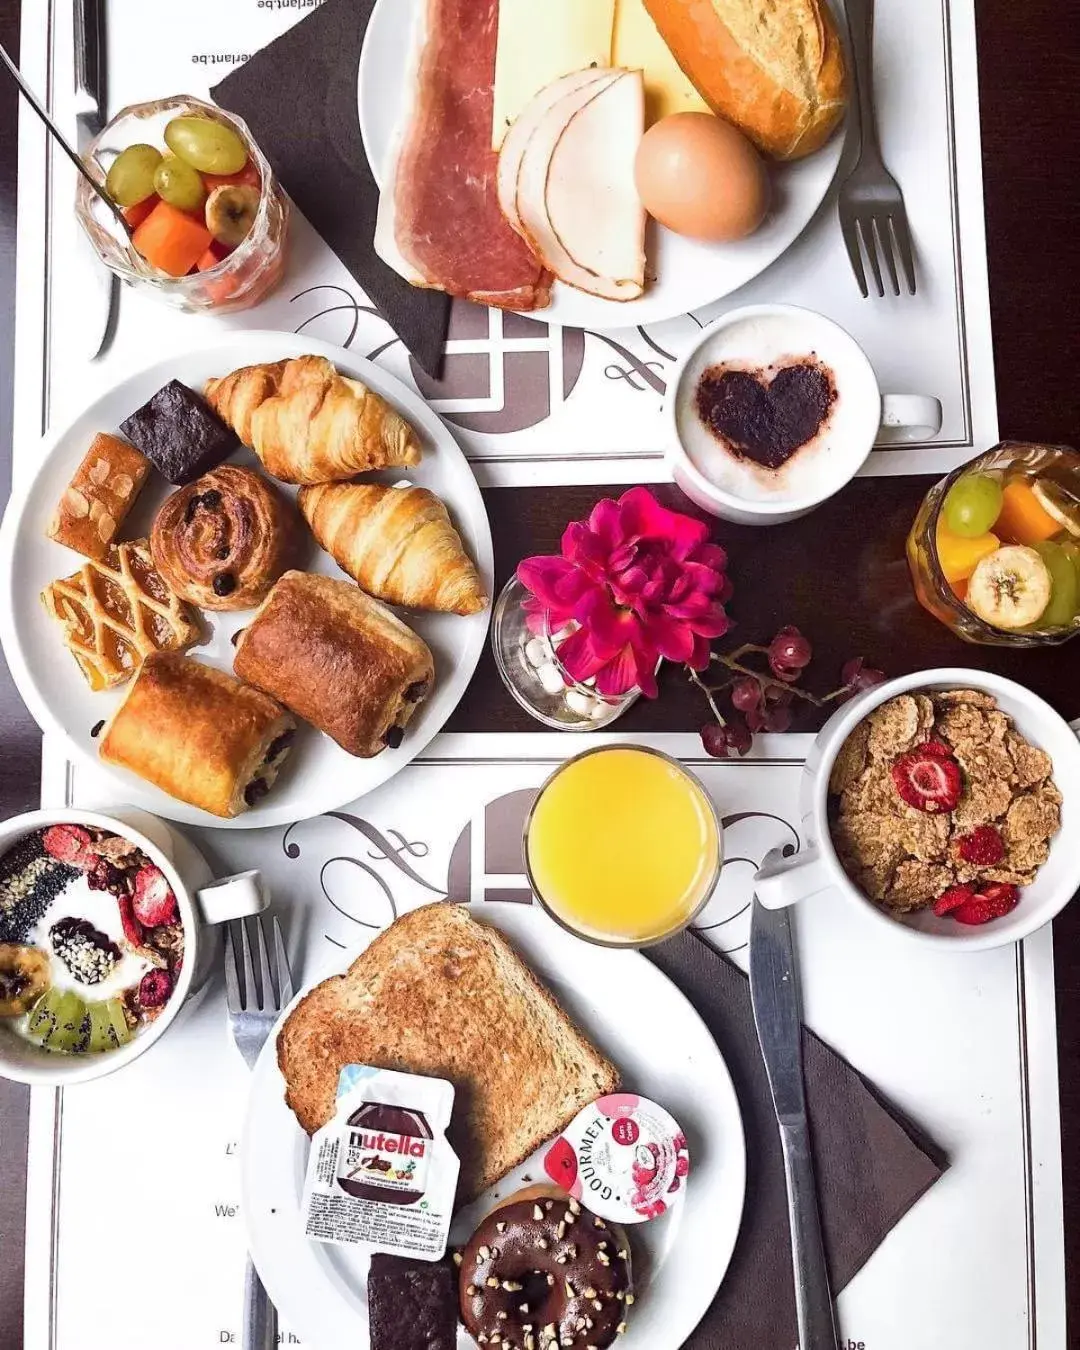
[964,1048]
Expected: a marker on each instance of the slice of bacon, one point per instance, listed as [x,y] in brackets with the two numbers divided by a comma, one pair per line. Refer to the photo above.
[448,223]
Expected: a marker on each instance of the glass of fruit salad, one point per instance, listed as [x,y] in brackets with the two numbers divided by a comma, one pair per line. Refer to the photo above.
[995,549]
[207,218]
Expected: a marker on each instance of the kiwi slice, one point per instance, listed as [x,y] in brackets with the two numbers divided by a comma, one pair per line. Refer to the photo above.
[108,1029]
[60,1022]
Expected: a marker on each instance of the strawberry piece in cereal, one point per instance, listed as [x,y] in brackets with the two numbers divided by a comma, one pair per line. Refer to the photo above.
[952,899]
[983,847]
[928,782]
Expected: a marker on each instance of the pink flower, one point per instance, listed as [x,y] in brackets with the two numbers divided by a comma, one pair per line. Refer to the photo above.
[642,583]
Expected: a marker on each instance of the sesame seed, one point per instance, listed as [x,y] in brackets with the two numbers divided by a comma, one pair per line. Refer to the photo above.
[492,1282]
[458,1258]
[500,1228]
[471,1290]
[538,1213]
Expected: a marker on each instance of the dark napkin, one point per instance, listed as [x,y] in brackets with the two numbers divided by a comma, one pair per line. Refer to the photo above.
[298,96]
[872,1165]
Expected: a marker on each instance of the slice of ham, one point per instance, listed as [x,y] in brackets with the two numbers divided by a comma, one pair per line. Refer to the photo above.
[447,225]
[576,201]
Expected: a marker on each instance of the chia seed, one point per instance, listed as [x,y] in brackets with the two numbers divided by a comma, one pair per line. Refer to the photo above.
[30,881]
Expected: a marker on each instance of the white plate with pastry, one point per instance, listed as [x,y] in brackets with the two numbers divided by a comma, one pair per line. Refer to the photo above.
[236,547]
[577,1015]
[592,179]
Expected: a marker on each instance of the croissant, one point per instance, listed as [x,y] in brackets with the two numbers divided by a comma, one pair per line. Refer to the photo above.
[397,543]
[308,424]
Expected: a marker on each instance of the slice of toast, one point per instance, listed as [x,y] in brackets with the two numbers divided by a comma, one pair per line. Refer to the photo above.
[440,994]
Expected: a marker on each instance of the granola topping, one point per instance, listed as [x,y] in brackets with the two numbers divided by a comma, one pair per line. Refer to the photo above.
[938,791]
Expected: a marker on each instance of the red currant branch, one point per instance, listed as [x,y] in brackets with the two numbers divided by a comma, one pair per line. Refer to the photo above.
[761,700]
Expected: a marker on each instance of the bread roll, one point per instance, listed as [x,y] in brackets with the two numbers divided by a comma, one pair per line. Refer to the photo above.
[773,67]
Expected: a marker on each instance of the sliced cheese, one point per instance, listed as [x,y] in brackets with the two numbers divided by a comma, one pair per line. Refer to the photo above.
[637,45]
[540,41]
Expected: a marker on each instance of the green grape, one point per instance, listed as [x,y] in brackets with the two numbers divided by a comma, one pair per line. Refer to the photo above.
[1065,580]
[131,178]
[209,146]
[178,184]
[972,505]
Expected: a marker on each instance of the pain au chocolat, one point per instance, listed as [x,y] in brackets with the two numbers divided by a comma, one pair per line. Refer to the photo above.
[338,659]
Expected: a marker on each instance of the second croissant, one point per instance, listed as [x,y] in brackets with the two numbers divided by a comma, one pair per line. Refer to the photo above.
[398,543]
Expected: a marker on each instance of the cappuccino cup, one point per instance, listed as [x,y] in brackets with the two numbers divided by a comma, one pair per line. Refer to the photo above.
[775,410]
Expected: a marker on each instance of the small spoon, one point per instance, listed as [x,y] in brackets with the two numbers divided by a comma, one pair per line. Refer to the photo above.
[58,136]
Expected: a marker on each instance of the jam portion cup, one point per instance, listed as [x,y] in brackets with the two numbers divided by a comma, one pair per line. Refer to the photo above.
[239,280]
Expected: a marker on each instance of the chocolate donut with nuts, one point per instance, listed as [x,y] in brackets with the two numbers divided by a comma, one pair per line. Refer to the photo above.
[543,1273]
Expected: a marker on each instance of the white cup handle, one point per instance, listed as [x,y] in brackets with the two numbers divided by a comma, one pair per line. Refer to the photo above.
[781,881]
[232,898]
[908,417]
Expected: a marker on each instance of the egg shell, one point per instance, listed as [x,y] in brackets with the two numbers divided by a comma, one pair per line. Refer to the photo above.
[701,177]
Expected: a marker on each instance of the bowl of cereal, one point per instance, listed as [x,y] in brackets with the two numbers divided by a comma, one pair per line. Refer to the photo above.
[941,804]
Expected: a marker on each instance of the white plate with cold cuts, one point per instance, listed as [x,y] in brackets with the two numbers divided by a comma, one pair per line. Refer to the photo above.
[318,776]
[663,1050]
[686,272]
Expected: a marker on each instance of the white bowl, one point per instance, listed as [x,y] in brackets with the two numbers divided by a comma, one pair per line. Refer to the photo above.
[817,867]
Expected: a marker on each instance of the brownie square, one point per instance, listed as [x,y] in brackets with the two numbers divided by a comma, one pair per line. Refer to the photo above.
[412,1305]
[180,433]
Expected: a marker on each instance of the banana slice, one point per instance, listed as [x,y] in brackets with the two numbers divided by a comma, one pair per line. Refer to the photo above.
[24,977]
[1010,588]
[1058,504]
[230,212]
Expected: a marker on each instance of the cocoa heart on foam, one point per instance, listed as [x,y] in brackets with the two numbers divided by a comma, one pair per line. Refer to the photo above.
[766,419]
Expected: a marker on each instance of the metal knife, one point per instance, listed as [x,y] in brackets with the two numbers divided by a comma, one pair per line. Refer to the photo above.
[91,101]
[774,993]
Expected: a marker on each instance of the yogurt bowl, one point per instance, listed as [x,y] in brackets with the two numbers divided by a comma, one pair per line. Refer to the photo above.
[106,934]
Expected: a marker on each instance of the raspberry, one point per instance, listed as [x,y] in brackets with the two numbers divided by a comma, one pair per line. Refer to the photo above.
[154,901]
[927,781]
[984,847]
[69,844]
[952,899]
[130,924]
[105,876]
[682,1167]
[154,989]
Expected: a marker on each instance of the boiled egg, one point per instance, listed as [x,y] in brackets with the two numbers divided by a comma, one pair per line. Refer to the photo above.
[701,177]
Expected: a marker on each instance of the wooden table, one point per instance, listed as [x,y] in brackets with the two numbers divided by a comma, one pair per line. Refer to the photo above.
[1030,109]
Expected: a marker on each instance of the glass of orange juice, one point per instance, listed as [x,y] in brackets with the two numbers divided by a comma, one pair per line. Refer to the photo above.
[623,846]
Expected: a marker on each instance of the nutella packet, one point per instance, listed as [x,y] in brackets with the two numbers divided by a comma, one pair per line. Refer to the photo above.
[381,1173]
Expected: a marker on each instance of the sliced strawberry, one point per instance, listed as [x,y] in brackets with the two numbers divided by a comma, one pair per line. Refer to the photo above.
[1001,897]
[927,781]
[938,749]
[975,912]
[952,899]
[69,844]
[994,901]
[133,930]
[154,901]
[983,847]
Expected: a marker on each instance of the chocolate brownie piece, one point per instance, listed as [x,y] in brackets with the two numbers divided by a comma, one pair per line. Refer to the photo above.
[180,433]
[412,1305]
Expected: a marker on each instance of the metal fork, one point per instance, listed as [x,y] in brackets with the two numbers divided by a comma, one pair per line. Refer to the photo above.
[871,203]
[253,1007]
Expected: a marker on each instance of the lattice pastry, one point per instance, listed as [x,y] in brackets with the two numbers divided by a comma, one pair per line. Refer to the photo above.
[115,612]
